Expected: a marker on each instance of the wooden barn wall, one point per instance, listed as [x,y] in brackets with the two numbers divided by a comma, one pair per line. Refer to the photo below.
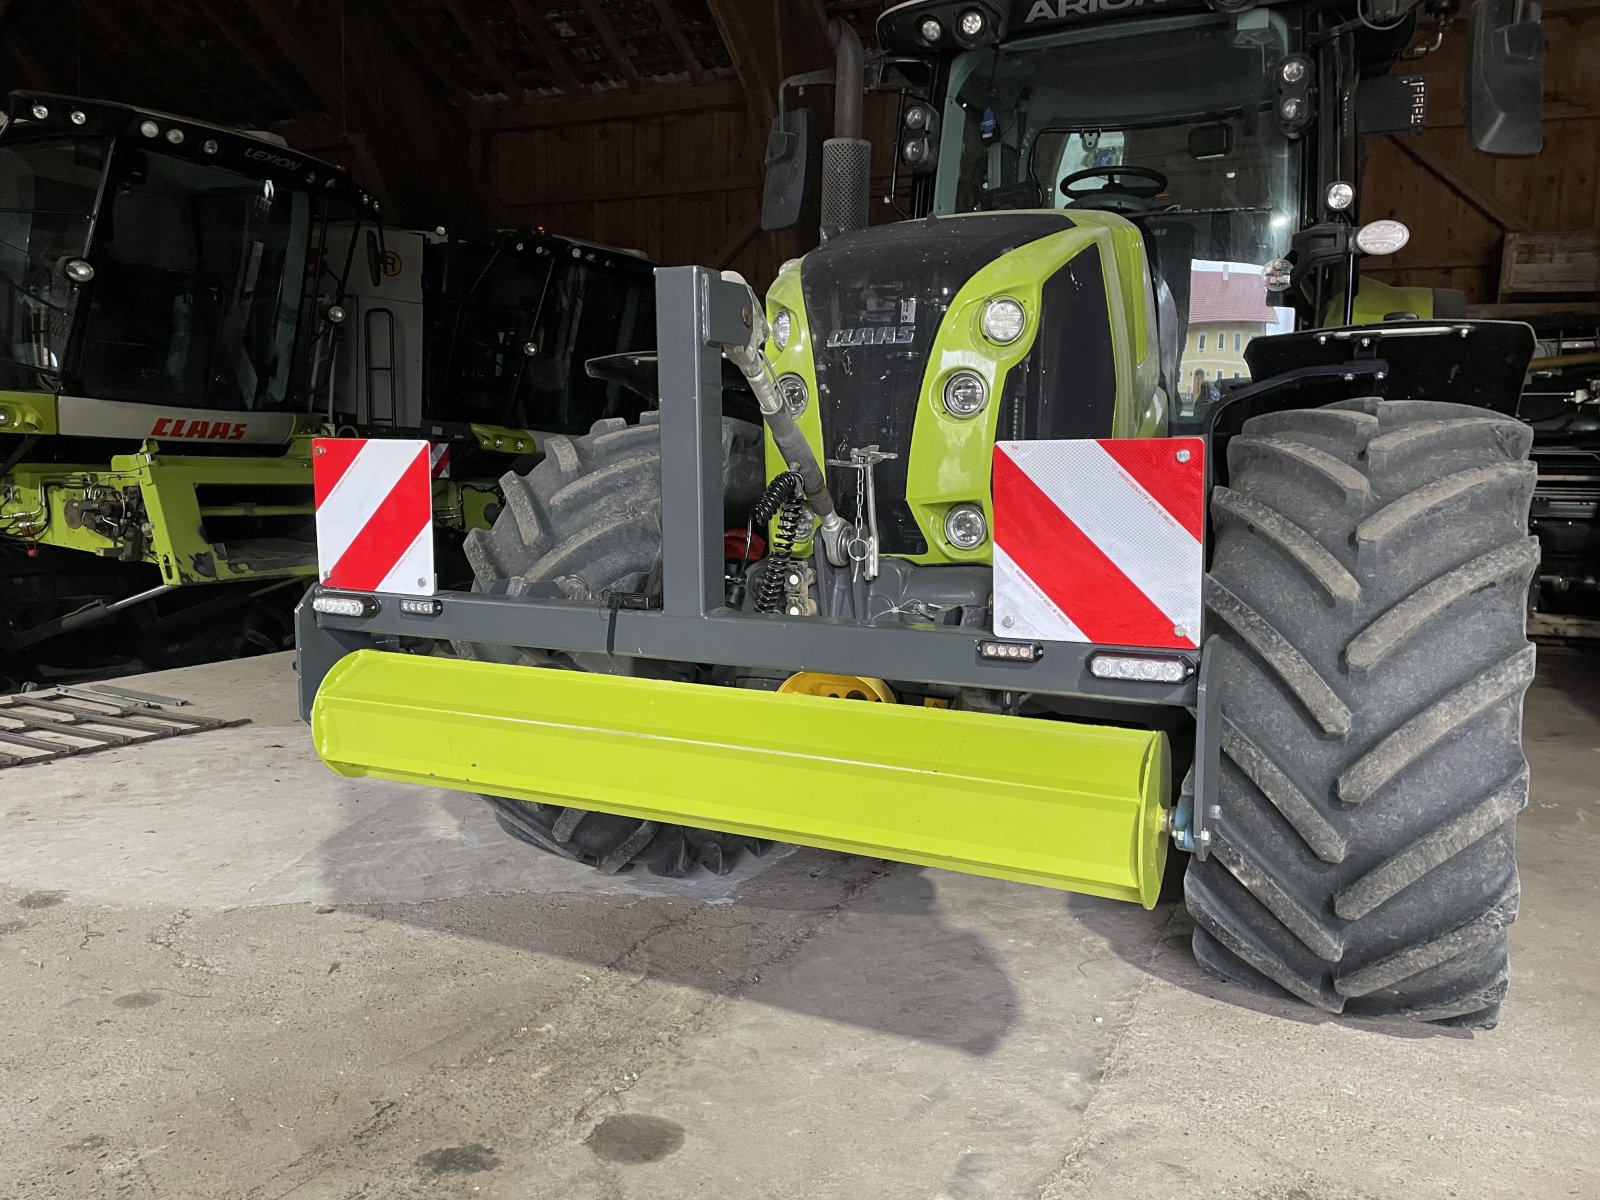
[1460,204]
[683,187]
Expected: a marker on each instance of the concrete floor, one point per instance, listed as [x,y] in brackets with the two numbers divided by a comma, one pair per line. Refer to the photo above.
[225,972]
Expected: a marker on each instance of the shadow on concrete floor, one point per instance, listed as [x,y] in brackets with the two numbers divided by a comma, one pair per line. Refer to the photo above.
[888,949]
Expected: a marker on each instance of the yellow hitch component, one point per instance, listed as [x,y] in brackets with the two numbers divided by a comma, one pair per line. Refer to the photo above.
[838,687]
[1047,802]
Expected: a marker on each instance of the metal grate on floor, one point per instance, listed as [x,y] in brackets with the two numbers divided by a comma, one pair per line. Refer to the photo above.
[61,722]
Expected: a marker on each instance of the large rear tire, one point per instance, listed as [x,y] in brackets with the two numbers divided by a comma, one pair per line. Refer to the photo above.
[588,518]
[1367,594]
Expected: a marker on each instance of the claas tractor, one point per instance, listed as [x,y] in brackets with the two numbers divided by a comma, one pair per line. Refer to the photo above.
[183,306]
[1099,507]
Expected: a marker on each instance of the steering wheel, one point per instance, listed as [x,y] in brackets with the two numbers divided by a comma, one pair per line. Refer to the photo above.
[1114,195]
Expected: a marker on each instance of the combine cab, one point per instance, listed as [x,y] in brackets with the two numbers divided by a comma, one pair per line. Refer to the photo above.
[182,307]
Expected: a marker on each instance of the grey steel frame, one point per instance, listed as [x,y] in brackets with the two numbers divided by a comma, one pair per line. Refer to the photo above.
[698,313]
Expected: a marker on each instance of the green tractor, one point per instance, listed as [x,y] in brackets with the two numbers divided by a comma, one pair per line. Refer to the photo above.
[1284,633]
[182,307]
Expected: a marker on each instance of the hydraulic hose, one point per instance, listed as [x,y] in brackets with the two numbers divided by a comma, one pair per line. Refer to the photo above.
[797,453]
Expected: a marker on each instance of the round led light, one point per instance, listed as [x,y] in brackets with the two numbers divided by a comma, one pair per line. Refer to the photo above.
[914,150]
[965,394]
[932,31]
[972,23]
[77,116]
[965,527]
[335,314]
[209,145]
[782,328]
[794,392]
[1278,275]
[918,117]
[40,112]
[79,271]
[1340,196]
[1004,320]
[1382,237]
[175,136]
[1294,71]
[1290,109]
[149,128]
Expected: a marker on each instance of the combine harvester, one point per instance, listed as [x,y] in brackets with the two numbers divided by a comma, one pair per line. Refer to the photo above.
[181,307]
[1290,643]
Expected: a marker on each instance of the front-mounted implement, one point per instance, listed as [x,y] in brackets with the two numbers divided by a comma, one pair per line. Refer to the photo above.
[1064,804]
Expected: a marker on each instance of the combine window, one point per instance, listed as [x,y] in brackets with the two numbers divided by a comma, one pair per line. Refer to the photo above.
[198,278]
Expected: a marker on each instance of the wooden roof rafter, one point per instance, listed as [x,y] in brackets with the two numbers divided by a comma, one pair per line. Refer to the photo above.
[674,27]
[537,27]
[492,60]
[607,33]
[253,58]
[451,88]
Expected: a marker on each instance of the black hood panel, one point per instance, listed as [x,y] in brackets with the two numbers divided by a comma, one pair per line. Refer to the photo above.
[874,302]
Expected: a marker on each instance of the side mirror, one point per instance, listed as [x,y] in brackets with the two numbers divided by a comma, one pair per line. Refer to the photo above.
[1505,78]
[792,190]
[374,259]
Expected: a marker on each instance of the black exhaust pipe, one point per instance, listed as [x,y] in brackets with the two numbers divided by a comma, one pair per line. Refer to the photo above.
[846,156]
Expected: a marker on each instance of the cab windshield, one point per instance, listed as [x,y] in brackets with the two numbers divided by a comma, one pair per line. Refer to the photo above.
[519,337]
[197,291]
[1189,99]
[47,199]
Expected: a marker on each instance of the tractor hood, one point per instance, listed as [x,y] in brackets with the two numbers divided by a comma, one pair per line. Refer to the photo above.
[883,319]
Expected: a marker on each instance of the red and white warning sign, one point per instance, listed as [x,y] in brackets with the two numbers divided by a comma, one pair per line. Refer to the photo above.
[374,499]
[1100,540]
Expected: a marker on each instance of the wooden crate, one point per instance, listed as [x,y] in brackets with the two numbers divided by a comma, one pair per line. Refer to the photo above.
[1550,264]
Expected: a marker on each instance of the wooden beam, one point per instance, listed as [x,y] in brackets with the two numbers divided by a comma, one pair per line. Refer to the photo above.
[317,71]
[613,44]
[264,69]
[653,191]
[1412,148]
[155,81]
[674,27]
[451,89]
[358,65]
[767,41]
[598,107]
[538,28]
[486,51]
[731,249]
[1526,312]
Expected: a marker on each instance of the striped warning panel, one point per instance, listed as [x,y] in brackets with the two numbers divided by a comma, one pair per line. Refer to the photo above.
[374,501]
[1100,540]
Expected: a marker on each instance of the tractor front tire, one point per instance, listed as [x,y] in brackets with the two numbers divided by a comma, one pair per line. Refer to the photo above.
[587,518]
[1367,601]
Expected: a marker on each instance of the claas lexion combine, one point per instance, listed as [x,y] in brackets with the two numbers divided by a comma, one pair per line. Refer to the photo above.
[1128,512]
[182,307]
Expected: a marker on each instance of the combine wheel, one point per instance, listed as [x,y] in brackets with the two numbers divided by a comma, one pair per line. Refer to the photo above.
[1367,599]
[588,518]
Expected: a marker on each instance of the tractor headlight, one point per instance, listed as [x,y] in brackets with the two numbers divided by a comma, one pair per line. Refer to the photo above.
[965,394]
[931,30]
[1339,196]
[1004,320]
[971,23]
[965,527]
[782,327]
[794,392]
